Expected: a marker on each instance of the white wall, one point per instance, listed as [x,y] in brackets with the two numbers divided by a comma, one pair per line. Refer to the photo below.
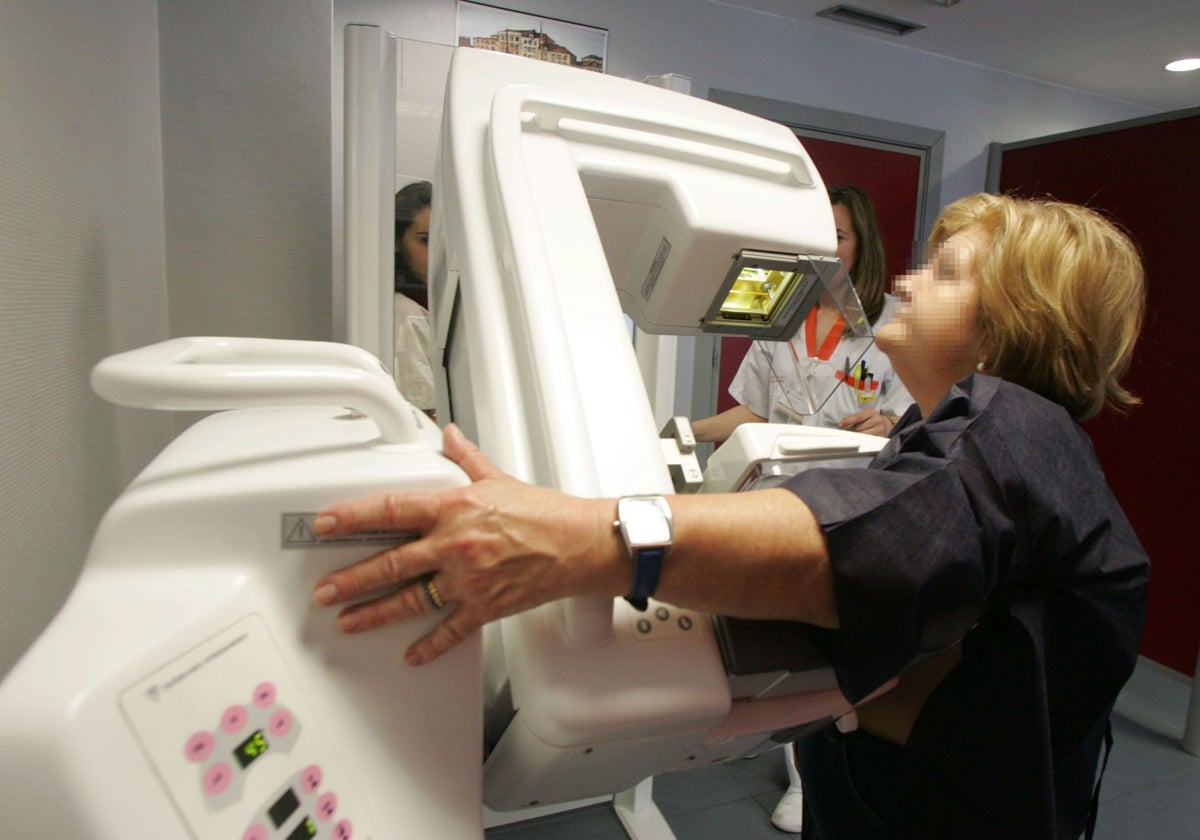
[246,156]
[129,218]
[81,276]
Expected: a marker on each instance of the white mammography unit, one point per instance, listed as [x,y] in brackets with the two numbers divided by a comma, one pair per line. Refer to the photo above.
[189,688]
[554,189]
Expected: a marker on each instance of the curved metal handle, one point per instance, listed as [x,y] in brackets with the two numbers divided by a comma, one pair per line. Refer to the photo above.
[212,373]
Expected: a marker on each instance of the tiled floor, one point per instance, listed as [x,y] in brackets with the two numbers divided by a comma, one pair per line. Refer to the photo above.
[1151,790]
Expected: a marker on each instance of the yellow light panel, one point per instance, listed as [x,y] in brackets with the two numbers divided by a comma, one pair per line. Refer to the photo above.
[757,292]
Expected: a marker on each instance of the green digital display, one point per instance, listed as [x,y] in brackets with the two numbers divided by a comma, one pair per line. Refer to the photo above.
[307,828]
[251,749]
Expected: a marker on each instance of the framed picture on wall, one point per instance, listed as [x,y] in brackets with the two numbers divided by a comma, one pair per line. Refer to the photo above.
[492,28]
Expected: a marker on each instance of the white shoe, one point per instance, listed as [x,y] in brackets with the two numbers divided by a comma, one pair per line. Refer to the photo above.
[789,813]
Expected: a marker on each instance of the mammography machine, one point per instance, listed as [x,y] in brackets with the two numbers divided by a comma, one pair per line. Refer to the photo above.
[189,688]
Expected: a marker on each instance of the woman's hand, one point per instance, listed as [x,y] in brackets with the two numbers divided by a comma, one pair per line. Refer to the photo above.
[492,549]
[868,422]
[500,546]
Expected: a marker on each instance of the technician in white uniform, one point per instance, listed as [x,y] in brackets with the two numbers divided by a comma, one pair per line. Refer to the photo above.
[413,365]
[788,381]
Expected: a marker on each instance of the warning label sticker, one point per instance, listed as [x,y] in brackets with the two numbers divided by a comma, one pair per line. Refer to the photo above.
[296,531]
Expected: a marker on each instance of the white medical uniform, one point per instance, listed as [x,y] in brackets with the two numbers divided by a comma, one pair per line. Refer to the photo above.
[413,365]
[778,380]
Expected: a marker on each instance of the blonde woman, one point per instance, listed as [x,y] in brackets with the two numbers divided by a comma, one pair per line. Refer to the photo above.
[988,496]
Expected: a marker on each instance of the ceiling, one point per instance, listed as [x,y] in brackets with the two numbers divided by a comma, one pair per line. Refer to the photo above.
[1115,48]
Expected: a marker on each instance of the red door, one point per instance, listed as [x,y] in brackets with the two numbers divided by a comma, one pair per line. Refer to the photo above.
[1143,175]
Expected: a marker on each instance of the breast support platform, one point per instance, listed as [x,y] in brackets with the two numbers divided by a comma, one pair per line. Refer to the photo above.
[189,688]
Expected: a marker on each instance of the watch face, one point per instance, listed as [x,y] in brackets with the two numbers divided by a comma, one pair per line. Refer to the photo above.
[645,522]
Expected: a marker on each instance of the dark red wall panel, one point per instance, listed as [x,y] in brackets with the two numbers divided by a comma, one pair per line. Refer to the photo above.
[1145,177]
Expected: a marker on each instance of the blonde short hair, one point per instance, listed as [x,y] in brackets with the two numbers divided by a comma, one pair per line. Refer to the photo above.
[1062,295]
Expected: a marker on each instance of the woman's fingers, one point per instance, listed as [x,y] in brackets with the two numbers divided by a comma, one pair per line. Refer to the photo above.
[868,421]
[406,602]
[456,627]
[414,513]
[379,571]
[467,455]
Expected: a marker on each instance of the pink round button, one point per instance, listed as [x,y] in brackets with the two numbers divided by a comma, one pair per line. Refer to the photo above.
[310,779]
[343,830]
[235,718]
[255,832]
[217,778]
[264,694]
[280,723]
[326,806]
[199,746]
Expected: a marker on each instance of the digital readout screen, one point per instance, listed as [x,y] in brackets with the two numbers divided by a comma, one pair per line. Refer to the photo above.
[249,750]
[283,808]
[306,829]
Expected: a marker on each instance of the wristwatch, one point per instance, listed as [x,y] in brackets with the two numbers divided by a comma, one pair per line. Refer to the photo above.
[645,525]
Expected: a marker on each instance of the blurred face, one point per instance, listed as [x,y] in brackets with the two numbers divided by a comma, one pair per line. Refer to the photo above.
[847,247]
[935,334]
[413,246]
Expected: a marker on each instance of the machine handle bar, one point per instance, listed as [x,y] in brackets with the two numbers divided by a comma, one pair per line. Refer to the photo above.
[213,373]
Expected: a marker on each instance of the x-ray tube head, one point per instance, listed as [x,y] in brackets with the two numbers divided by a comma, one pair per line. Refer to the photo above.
[767,295]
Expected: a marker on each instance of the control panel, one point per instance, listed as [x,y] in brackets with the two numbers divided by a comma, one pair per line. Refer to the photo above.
[663,621]
[234,743]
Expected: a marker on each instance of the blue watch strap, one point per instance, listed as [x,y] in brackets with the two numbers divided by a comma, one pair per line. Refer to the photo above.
[646,569]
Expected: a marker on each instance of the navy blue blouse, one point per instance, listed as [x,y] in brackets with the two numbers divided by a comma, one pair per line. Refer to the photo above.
[996,499]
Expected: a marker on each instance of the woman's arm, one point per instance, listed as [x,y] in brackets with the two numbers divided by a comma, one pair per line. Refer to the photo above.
[500,546]
[720,426]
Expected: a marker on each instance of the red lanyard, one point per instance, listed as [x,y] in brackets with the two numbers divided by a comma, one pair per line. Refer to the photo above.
[829,343]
